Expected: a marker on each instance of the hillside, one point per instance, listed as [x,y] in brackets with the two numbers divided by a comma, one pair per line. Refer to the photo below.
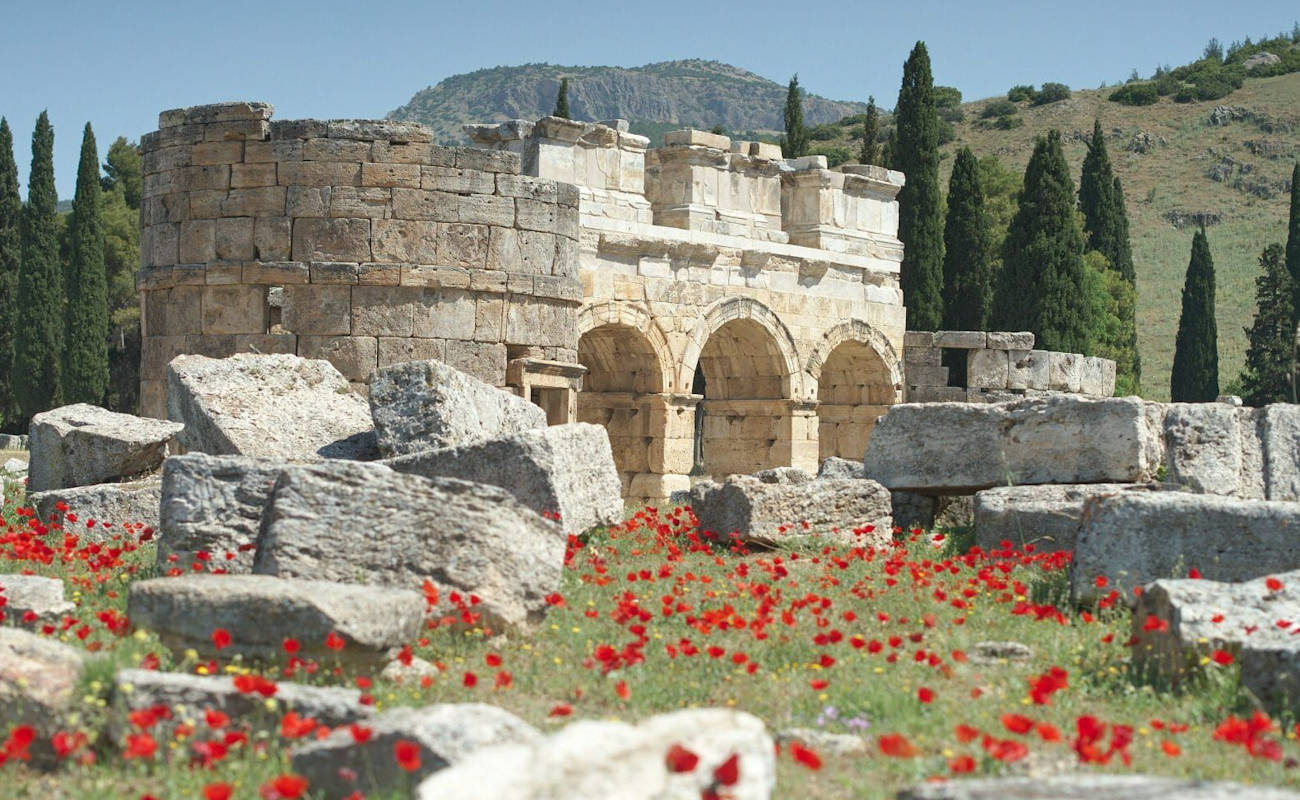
[654,98]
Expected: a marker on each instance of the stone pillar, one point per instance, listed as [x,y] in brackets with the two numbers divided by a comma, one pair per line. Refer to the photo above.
[670,425]
[804,433]
[852,212]
[682,179]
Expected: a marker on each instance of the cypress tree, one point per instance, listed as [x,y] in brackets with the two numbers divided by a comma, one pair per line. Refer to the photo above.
[967,261]
[920,223]
[1195,377]
[1123,264]
[1097,196]
[562,100]
[85,343]
[1041,288]
[38,347]
[795,142]
[1270,356]
[870,132]
[1293,239]
[1121,260]
[11,209]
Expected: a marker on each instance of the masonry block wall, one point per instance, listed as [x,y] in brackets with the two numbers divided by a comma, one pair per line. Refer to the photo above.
[357,241]
[1000,366]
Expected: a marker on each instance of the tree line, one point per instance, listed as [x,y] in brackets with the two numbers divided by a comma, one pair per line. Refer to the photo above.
[69,317]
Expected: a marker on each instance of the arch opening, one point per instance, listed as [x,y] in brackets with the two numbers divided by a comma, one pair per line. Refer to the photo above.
[855,387]
[623,371]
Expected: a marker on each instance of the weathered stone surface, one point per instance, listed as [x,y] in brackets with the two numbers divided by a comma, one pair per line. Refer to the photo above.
[421,405]
[82,444]
[267,405]
[1048,517]
[214,504]
[987,369]
[260,611]
[954,448]
[591,760]
[910,509]
[38,680]
[444,735]
[1280,433]
[564,469]
[1135,538]
[1000,652]
[463,536]
[134,503]
[836,467]
[135,689]
[825,743]
[1247,615]
[1090,786]
[32,599]
[772,506]
[1203,447]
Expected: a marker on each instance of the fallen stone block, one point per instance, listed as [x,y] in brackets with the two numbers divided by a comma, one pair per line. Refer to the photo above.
[564,469]
[463,537]
[1280,435]
[31,600]
[1134,538]
[81,444]
[1206,449]
[772,507]
[1196,617]
[132,504]
[959,448]
[836,467]
[591,760]
[1090,786]
[1047,517]
[260,611]
[214,504]
[424,405]
[442,735]
[38,681]
[273,406]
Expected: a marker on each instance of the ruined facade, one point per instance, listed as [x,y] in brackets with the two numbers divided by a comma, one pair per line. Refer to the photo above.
[717,308]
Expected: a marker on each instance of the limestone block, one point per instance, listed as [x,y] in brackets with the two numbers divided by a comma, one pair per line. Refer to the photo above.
[918,339]
[1028,369]
[841,468]
[399,240]
[379,274]
[918,375]
[318,173]
[334,272]
[234,238]
[379,130]
[422,204]
[32,599]
[368,202]
[267,201]
[987,369]
[446,314]
[489,544]
[175,312]
[213,504]
[1092,377]
[355,357]
[209,153]
[390,175]
[320,148]
[483,209]
[133,504]
[247,176]
[1048,516]
[487,160]
[308,201]
[331,240]
[1064,371]
[1135,538]
[923,356]
[1203,448]
[961,340]
[1004,340]
[485,361]
[81,444]
[954,448]
[467,181]
[38,686]
[197,243]
[317,310]
[234,309]
[396,350]
[384,310]
[540,189]
[537,216]
[1280,433]
[935,394]
[272,238]
[689,136]
[463,245]
[277,274]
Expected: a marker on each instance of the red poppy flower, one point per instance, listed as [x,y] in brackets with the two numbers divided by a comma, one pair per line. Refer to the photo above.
[140,745]
[218,791]
[1273,584]
[965,733]
[897,745]
[961,765]
[804,756]
[1171,748]
[728,772]
[925,694]
[407,754]
[560,710]
[291,646]
[679,759]
[1221,657]
[470,680]
[284,787]
[335,642]
[1017,723]
[622,691]
[220,638]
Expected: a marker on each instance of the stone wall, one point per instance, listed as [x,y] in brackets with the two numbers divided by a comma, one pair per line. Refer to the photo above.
[357,241]
[999,366]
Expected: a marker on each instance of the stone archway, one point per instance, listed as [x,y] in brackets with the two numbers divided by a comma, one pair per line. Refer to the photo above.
[858,376]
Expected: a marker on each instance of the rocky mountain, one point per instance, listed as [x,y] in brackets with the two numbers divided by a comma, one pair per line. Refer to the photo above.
[654,98]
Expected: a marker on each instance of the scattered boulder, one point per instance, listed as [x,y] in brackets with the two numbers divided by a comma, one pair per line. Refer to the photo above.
[15,468]
[396,671]
[959,448]
[121,504]
[912,510]
[1135,538]
[261,611]
[424,405]
[1260,60]
[214,504]
[1048,516]
[32,599]
[997,652]
[564,469]
[1213,448]
[38,680]
[276,406]
[82,444]
[591,760]
[442,734]
[836,467]
[462,536]
[1200,616]
[777,505]
[1089,786]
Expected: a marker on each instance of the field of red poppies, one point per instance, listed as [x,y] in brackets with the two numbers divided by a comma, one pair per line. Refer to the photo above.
[890,645]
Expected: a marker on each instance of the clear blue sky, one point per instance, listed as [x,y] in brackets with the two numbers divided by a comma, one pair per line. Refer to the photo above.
[117,64]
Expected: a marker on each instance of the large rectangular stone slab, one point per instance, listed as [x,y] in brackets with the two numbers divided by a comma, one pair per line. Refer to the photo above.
[563,469]
[956,448]
[1134,538]
[1047,517]
[81,444]
[213,505]
[130,508]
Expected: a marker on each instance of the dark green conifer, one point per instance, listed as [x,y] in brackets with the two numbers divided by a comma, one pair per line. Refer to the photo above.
[920,223]
[1195,377]
[562,100]
[1121,260]
[1041,288]
[38,346]
[795,142]
[11,209]
[1293,240]
[1270,357]
[1097,196]
[85,343]
[870,132]
[967,261]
